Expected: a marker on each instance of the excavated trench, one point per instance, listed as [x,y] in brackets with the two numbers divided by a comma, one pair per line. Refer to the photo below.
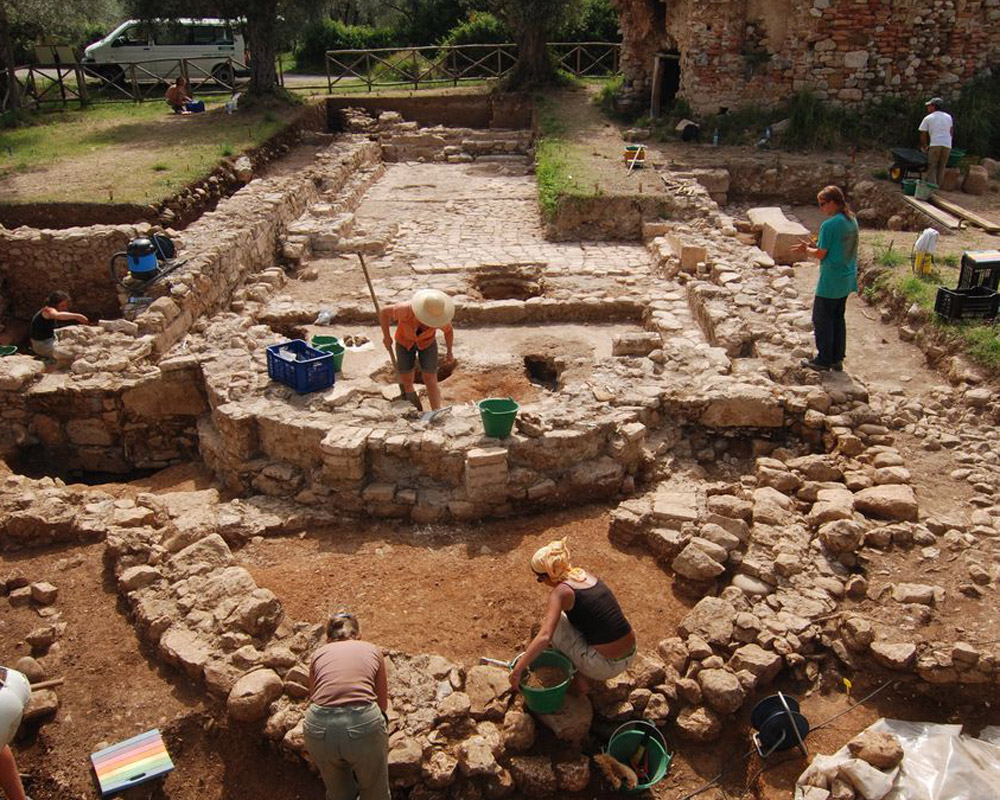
[627,382]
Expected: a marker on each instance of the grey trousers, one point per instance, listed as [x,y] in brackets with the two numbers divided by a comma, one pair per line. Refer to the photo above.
[350,746]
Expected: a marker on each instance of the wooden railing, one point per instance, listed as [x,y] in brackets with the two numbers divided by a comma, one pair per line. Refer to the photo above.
[44,85]
[426,66]
[59,85]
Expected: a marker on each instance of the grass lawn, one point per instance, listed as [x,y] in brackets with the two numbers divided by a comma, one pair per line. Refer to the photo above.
[124,153]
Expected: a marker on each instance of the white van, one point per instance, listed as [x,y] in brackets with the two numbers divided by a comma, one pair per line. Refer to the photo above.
[207,44]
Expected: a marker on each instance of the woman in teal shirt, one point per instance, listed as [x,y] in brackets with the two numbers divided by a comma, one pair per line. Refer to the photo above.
[837,251]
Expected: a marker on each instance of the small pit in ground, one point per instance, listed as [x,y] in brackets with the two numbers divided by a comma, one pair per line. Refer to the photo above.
[508,282]
[543,371]
[462,385]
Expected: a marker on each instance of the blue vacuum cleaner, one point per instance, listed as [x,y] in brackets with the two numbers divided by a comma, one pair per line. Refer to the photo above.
[146,261]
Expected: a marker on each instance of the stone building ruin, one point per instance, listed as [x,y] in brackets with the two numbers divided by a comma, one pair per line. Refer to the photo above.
[664,382]
[720,54]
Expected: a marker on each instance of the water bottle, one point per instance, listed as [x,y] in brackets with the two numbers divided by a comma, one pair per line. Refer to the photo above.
[715,138]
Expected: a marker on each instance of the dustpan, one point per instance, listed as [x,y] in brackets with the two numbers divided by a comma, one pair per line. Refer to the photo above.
[137,760]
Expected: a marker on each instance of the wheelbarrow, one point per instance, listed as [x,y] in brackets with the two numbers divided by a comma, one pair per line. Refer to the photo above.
[907,161]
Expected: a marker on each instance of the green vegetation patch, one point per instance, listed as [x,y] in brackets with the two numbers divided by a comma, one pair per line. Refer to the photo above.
[123,153]
[560,166]
[978,339]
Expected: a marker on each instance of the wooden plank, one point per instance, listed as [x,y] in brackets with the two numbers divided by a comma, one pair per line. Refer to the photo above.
[964,213]
[941,217]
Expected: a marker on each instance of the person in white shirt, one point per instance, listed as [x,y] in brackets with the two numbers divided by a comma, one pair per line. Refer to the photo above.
[15,694]
[936,131]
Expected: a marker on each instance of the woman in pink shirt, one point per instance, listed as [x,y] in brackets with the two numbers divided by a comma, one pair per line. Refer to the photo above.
[345,727]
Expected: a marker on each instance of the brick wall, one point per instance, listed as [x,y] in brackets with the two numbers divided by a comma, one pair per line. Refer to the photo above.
[740,52]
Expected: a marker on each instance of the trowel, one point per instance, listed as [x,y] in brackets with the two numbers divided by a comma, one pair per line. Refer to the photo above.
[430,416]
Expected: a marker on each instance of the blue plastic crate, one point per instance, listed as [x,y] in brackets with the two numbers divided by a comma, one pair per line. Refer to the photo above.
[312,369]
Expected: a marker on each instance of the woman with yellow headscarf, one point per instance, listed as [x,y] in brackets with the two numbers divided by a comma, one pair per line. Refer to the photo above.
[582,620]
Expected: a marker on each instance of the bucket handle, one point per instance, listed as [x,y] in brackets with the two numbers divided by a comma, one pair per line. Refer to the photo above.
[645,726]
[513,663]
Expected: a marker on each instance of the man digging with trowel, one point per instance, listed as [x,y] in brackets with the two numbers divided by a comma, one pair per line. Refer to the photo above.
[417,323]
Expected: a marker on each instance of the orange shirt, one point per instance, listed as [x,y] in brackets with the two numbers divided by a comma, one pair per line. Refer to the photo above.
[410,330]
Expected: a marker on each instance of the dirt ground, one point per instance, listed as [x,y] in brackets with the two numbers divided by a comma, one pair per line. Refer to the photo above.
[407,584]
[429,589]
[114,689]
[468,592]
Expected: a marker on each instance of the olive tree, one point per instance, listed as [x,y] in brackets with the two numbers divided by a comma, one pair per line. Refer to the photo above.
[533,22]
[65,20]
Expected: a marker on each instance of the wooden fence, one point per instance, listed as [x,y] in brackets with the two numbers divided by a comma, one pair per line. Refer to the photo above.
[46,85]
[428,66]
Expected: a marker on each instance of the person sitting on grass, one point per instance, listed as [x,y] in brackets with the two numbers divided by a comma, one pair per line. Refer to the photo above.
[15,694]
[582,620]
[42,331]
[178,97]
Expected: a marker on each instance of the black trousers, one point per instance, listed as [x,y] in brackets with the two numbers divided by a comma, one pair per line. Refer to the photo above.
[830,329]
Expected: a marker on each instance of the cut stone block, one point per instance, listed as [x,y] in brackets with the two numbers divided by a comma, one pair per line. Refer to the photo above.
[778,233]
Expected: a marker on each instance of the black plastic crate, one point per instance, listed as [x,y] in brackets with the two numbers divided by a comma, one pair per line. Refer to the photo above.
[980,268]
[977,302]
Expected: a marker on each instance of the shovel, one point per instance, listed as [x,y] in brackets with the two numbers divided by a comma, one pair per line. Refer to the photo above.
[411,396]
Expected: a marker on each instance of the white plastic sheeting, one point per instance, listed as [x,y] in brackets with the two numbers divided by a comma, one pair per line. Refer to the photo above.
[939,763]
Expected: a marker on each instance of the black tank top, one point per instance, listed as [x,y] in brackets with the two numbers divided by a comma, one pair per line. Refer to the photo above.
[41,328]
[597,615]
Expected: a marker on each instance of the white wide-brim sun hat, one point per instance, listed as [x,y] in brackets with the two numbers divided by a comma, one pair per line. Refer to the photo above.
[433,307]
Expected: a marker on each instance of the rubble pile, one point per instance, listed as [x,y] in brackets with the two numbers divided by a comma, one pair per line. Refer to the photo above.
[404,140]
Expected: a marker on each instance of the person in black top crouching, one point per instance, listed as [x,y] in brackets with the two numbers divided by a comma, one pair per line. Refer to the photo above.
[43,325]
[582,620]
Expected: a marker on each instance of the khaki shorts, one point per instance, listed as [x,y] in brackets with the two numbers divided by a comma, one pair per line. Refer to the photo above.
[43,347]
[569,641]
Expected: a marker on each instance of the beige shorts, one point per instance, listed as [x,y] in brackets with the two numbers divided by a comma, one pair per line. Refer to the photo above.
[569,641]
[43,347]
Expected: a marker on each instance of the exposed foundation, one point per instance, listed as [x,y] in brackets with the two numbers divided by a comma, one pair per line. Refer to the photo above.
[659,376]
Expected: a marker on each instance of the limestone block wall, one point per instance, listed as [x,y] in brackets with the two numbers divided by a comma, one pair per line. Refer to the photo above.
[117,405]
[98,424]
[760,51]
[240,238]
[35,262]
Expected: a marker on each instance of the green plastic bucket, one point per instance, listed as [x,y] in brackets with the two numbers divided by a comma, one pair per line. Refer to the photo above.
[498,416]
[548,701]
[330,344]
[924,190]
[909,186]
[7,350]
[955,156]
[626,740]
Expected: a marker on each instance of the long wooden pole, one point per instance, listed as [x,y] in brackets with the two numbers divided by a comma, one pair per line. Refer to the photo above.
[411,396]
[35,687]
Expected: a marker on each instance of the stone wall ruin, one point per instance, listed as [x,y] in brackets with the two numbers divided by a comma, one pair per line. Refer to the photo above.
[776,555]
[759,52]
